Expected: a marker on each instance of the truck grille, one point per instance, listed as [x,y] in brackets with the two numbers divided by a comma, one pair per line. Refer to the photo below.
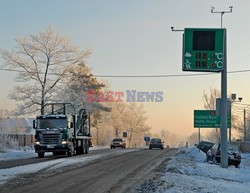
[51,138]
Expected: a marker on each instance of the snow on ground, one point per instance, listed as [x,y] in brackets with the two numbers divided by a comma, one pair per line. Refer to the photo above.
[9,173]
[11,154]
[188,172]
[26,152]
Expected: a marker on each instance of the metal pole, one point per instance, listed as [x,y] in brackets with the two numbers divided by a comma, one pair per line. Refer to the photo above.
[245,130]
[221,15]
[230,135]
[97,140]
[230,128]
[199,137]
[223,127]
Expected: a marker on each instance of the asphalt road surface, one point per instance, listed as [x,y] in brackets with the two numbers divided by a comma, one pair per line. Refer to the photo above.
[120,173]
[33,160]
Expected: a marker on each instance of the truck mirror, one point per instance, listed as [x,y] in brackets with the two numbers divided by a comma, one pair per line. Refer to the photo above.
[34,124]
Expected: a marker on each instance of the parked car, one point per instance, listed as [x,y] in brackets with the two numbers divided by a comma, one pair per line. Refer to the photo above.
[234,157]
[156,143]
[205,146]
[118,142]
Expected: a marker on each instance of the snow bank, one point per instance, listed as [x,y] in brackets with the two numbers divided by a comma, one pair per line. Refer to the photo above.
[11,154]
[189,172]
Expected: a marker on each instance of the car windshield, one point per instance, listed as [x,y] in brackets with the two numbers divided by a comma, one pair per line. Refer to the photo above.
[156,140]
[206,144]
[52,123]
[117,139]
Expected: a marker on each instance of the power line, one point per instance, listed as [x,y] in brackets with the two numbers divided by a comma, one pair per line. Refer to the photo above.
[140,76]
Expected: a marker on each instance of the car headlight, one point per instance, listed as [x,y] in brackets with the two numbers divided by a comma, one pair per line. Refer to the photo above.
[37,142]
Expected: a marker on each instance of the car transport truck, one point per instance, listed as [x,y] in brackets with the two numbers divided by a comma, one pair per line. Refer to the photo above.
[61,131]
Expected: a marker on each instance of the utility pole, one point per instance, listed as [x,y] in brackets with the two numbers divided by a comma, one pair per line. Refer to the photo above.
[199,135]
[245,130]
[97,133]
[223,127]
[232,101]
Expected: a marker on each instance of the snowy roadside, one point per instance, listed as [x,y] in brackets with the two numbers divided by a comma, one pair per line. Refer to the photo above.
[52,165]
[188,172]
[29,152]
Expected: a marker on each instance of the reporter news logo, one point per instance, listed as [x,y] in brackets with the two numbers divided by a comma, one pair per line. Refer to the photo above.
[128,96]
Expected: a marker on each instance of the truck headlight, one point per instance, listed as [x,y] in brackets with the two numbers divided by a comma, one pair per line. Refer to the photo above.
[37,142]
[65,142]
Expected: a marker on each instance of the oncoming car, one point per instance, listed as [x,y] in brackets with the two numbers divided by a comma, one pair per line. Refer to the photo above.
[156,143]
[118,142]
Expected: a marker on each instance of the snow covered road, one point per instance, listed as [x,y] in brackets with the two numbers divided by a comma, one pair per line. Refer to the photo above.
[118,170]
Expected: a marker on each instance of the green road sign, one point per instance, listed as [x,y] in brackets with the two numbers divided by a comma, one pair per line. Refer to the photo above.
[203,50]
[208,119]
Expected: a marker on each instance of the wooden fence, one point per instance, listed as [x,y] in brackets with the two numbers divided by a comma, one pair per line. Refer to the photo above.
[23,139]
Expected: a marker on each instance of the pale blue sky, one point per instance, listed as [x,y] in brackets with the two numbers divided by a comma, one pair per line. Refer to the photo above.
[134,38]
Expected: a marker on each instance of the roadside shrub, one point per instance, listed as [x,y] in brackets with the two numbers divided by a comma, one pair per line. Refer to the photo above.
[7,142]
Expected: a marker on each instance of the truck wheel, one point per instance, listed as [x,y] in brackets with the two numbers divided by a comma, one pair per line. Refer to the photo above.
[71,150]
[40,154]
[83,147]
[86,148]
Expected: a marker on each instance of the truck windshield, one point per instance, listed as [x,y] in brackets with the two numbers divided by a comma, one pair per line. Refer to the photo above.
[51,123]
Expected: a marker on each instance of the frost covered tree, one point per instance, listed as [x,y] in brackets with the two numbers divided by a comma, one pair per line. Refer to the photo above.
[134,121]
[123,117]
[6,141]
[117,118]
[42,61]
[193,139]
[169,138]
[76,87]
[209,101]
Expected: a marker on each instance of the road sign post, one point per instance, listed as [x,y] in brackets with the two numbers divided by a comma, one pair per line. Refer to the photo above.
[204,50]
[223,127]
